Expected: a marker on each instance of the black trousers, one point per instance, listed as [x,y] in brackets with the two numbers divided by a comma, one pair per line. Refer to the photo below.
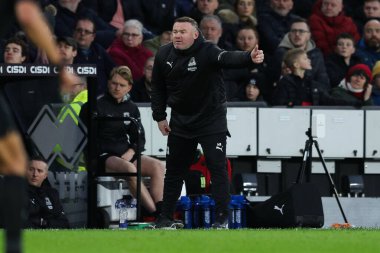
[179,156]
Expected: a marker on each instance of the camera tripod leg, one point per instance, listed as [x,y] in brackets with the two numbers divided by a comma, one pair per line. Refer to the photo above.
[330,179]
[305,157]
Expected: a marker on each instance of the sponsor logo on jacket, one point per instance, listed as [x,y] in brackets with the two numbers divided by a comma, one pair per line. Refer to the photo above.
[192,65]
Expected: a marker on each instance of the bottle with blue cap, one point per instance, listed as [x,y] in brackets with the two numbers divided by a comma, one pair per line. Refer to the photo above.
[205,202]
[238,215]
[186,212]
[231,213]
[237,212]
[121,204]
[243,204]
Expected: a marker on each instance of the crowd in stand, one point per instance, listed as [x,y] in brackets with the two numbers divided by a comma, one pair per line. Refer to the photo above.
[335,35]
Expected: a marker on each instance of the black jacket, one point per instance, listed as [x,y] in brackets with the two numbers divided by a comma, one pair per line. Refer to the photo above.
[141,91]
[65,22]
[272,29]
[159,15]
[116,137]
[337,68]
[190,82]
[45,209]
[292,90]
[104,64]
[106,9]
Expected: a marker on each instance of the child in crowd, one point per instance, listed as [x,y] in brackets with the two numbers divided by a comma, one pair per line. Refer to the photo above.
[252,91]
[338,63]
[294,88]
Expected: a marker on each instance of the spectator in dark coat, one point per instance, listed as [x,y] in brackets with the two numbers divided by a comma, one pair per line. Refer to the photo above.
[352,8]
[107,10]
[298,37]
[327,22]
[356,90]
[142,89]
[338,63]
[212,29]
[44,207]
[183,7]
[301,8]
[202,8]
[369,10]
[274,24]
[368,48]
[89,52]
[159,15]
[68,13]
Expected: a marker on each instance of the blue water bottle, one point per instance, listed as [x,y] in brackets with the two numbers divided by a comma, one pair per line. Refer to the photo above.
[186,211]
[206,215]
[238,215]
[231,214]
[206,211]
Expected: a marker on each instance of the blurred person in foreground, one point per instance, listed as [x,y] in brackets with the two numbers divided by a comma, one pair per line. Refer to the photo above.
[13,158]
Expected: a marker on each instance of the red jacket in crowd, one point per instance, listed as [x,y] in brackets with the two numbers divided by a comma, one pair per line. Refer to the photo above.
[325,29]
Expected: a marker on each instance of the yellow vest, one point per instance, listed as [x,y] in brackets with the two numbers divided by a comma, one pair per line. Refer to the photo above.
[73,110]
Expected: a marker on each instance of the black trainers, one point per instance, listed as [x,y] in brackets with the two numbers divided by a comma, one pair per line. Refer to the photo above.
[166,223]
[221,222]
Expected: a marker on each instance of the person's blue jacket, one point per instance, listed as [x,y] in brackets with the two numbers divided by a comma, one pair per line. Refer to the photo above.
[366,54]
[375,96]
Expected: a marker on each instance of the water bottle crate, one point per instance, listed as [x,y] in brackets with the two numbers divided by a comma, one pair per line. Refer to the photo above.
[199,212]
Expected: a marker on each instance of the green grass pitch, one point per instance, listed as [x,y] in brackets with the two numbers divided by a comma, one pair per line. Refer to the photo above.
[198,241]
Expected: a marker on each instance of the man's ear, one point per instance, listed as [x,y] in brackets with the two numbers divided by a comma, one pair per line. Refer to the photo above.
[196,34]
